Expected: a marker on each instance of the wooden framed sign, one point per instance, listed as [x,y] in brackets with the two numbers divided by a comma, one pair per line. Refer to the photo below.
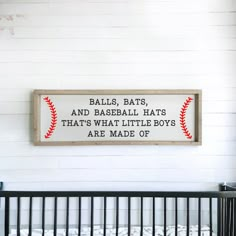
[91,117]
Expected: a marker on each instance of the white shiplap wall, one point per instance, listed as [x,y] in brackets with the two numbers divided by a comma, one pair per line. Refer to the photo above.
[117,44]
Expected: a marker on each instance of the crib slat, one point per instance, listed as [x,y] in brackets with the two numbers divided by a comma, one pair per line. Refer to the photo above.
[228,217]
[165,216]
[141,223]
[67,215]
[55,216]
[227,211]
[117,216]
[219,216]
[176,216]
[199,216]
[188,217]
[210,220]
[92,212]
[225,216]
[153,216]
[231,216]
[234,221]
[129,215]
[105,216]
[18,215]
[30,216]
[7,215]
[79,218]
[43,216]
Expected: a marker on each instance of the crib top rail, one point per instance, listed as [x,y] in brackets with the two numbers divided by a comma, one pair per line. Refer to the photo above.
[146,194]
[227,190]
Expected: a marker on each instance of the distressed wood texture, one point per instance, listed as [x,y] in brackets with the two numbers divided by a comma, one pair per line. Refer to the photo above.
[37,112]
[103,44]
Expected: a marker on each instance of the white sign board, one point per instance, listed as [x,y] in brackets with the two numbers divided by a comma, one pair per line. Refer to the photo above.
[82,117]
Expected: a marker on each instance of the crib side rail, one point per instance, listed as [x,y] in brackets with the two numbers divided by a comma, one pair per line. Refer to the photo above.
[225,209]
[171,194]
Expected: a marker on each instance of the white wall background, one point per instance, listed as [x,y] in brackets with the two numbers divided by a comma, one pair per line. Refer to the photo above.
[117,44]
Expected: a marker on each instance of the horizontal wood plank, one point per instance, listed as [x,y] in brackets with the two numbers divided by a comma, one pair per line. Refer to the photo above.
[116,69]
[159,44]
[216,148]
[117,163]
[220,58]
[214,31]
[106,186]
[65,8]
[167,19]
[174,175]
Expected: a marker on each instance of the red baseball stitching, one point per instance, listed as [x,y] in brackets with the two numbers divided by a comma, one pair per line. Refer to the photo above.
[183,117]
[53,117]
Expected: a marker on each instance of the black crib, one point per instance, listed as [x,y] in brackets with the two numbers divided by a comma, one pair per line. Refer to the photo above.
[223,203]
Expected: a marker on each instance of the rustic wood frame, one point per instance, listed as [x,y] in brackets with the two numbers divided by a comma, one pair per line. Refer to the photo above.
[198,115]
